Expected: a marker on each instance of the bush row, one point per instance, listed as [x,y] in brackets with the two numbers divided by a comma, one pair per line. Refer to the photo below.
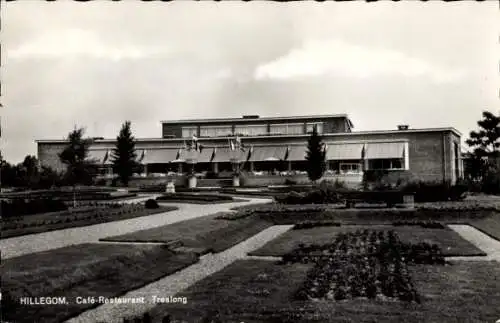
[19,207]
[423,224]
[194,197]
[313,224]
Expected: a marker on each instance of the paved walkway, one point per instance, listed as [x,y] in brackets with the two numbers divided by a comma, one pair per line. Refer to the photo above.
[18,246]
[177,282]
[484,242]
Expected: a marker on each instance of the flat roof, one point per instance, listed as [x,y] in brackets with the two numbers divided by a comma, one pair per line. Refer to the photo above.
[242,119]
[328,135]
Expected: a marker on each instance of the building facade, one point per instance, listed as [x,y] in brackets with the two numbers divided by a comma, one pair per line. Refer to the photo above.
[277,146]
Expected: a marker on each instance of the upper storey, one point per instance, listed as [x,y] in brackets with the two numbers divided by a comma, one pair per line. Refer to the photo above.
[253,125]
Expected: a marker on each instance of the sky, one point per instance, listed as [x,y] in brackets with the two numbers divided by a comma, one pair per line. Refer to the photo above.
[96,64]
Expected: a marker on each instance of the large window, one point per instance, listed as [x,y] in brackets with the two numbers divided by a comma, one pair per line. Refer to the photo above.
[350,168]
[319,127]
[287,129]
[251,130]
[216,131]
[395,163]
[188,132]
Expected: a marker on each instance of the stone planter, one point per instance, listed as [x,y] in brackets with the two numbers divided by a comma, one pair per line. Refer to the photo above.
[236,181]
[192,181]
[409,201]
[170,188]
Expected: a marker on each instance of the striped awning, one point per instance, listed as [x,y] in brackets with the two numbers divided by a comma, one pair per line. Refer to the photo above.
[225,154]
[297,153]
[101,156]
[268,153]
[157,156]
[205,156]
[346,151]
[382,150]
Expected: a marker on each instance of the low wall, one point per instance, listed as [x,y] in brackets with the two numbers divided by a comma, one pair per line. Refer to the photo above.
[350,180]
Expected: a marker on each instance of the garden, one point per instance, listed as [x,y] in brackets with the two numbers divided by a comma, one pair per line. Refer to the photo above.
[22,217]
[86,270]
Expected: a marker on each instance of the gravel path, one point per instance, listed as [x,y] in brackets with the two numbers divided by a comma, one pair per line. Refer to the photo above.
[484,242]
[175,283]
[22,245]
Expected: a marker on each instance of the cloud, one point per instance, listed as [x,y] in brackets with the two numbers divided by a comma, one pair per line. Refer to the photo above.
[316,58]
[66,43]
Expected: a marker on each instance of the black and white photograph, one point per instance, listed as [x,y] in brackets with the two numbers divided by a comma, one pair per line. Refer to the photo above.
[250,162]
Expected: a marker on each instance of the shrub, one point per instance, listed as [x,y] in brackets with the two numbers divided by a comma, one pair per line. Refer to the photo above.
[151,204]
[324,195]
[491,182]
[436,191]
[289,181]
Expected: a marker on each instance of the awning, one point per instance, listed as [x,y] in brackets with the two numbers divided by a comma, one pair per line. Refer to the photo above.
[205,156]
[297,153]
[158,156]
[99,156]
[344,151]
[268,153]
[225,154]
[382,150]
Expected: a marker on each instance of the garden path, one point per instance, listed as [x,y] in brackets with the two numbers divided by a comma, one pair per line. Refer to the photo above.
[179,281]
[18,246]
[484,242]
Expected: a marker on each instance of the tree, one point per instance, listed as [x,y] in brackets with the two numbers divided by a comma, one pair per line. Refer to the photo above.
[485,143]
[124,155]
[29,171]
[79,169]
[315,156]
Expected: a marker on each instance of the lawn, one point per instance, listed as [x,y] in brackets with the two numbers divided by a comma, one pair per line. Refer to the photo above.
[207,233]
[262,291]
[84,216]
[448,240]
[91,270]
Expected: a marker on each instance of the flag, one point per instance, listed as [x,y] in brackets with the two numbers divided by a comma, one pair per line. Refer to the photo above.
[213,154]
[231,145]
[142,155]
[287,152]
[239,144]
[250,151]
[363,152]
[106,156]
[178,156]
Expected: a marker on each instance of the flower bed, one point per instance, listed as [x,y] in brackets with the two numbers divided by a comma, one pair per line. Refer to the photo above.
[372,264]
[81,216]
[467,205]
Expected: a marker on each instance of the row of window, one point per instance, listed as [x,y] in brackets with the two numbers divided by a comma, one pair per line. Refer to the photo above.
[374,164]
[251,130]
